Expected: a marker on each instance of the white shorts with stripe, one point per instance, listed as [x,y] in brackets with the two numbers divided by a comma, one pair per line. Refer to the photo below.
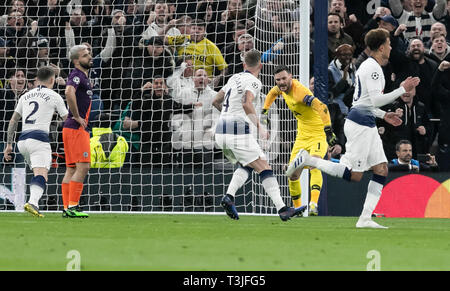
[237,143]
[364,148]
[37,154]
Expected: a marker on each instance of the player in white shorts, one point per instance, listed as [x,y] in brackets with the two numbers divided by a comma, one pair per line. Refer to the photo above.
[364,149]
[234,136]
[36,109]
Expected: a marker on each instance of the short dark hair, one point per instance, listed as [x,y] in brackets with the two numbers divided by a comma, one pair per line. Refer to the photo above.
[376,38]
[336,14]
[45,73]
[403,141]
[199,22]
[252,58]
[281,68]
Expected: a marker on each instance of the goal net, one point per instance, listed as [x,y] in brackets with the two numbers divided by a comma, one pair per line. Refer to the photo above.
[147,75]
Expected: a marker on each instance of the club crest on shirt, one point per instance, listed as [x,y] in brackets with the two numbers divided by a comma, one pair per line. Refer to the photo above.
[375,75]
[255,85]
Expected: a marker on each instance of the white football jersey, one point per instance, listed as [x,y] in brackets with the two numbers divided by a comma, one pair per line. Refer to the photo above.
[234,91]
[369,84]
[37,108]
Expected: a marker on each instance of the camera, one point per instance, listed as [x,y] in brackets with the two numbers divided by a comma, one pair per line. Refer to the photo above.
[423,158]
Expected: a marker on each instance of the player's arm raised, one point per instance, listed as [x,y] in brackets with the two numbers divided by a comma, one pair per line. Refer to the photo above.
[72,103]
[270,98]
[384,99]
[12,127]
[247,104]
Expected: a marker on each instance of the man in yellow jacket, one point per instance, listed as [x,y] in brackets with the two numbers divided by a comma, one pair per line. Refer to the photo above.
[204,53]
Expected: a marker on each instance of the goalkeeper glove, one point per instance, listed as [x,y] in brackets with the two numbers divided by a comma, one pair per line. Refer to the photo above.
[265,117]
[331,137]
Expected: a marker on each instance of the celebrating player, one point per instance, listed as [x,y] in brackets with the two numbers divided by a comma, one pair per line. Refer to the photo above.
[233,136]
[76,138]
[364,149]
[314,132]
[36,108]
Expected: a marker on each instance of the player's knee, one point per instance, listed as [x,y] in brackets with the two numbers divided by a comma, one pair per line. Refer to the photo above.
[381,170]
[356,176]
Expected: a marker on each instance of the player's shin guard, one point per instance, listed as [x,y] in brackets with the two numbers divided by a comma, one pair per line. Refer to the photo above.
[272,188]
[240,175]
[37,188]
[295,190]
[373,195]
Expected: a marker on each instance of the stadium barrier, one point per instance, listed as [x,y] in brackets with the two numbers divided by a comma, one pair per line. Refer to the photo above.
[169,190]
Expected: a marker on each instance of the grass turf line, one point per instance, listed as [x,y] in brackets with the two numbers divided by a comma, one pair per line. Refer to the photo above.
[211,242]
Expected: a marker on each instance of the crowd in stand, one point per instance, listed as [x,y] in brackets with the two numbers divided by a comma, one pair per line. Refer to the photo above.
[158,63]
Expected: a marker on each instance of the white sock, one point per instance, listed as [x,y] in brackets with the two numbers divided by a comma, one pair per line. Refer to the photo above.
[373,196]
[36,192]
[272,189]
[331,168]
[237,181]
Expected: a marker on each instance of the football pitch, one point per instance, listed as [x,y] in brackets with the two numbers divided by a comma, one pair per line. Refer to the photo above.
[182,242]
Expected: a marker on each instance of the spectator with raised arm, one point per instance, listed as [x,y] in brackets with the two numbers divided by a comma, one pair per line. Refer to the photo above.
[16,28]
[336,35]
[341,78]
[235,13]
[195,130]
[180,83]
[150,60]
[415,63]
[351,25]
[415,127]
[149,116]
[6,63]
[418,21]
[205,53]
[158,23]
[234,53]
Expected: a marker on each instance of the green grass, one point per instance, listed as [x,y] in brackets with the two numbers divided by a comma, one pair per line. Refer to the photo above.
[215,242]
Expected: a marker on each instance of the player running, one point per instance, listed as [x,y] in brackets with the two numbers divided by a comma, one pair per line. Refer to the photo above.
[76,138]
[364,149]
[314,132]
[36,109]
[233,135]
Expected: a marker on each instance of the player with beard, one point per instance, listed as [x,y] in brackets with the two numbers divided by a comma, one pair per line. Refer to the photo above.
[75,136]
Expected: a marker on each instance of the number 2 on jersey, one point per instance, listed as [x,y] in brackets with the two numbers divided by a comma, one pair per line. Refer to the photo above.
[35,109]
